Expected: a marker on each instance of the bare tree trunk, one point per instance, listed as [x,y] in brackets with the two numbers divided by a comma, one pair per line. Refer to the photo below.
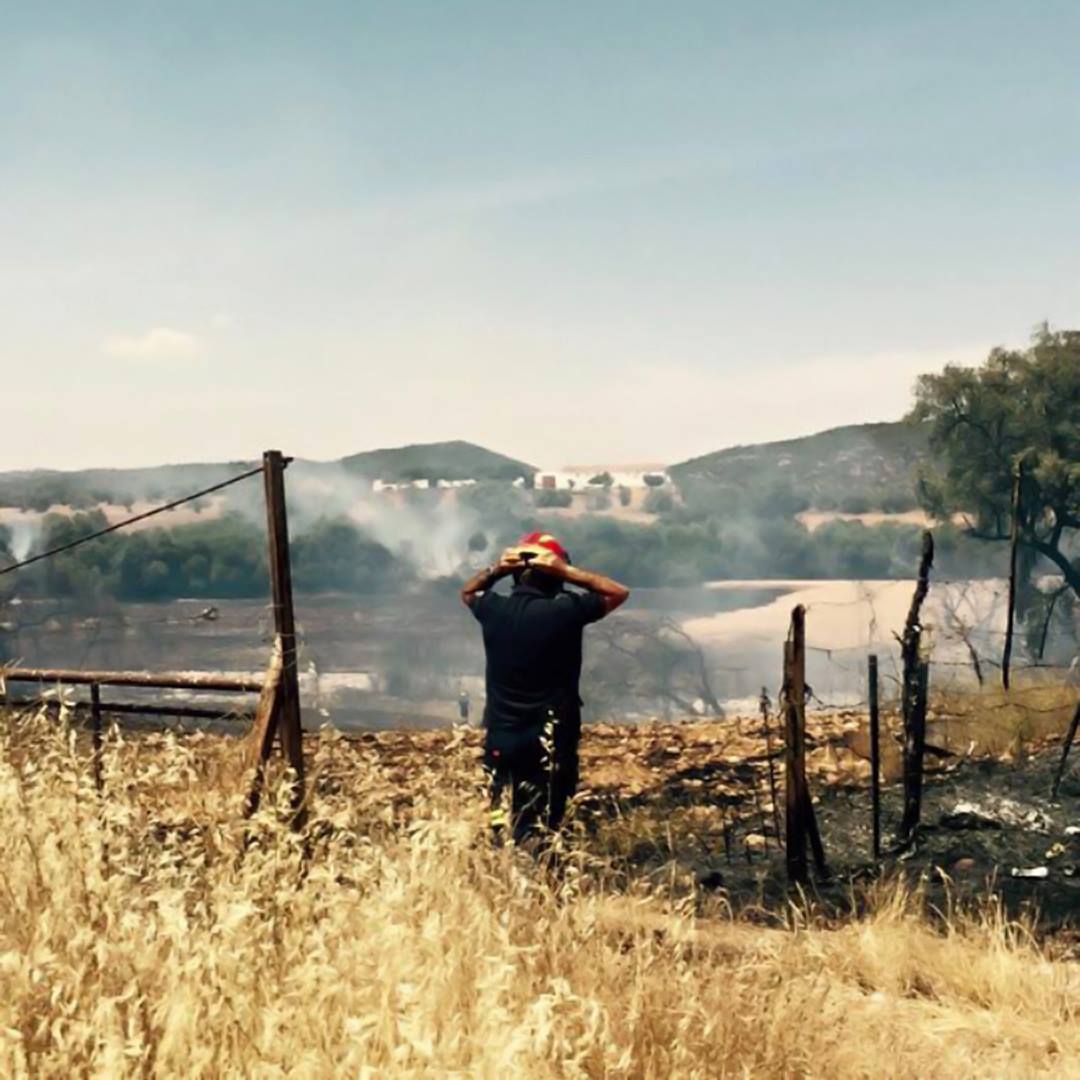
[1046,622]
[1014,551]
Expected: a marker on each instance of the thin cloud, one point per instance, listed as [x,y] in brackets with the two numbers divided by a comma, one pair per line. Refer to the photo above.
[158,343]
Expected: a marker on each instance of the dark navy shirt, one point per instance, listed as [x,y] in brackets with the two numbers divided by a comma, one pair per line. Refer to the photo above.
[533,646]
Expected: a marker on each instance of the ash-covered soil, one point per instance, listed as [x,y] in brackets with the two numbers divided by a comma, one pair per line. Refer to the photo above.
[696,797]
[989,828]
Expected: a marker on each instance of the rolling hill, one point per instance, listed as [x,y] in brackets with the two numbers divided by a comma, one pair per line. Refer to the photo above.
[40,489]
[456,460]
[859,467]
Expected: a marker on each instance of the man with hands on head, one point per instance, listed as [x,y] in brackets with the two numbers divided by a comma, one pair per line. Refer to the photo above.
[533,641]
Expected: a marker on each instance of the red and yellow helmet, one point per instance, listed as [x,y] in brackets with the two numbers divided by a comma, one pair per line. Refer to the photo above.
[547,542]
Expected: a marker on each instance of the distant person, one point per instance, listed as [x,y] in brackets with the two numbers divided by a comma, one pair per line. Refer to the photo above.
[532,715]
[463,705]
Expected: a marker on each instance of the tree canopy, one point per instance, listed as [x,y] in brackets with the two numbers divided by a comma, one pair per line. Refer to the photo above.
[1021,408]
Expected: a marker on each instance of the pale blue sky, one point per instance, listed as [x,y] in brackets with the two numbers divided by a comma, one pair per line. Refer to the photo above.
[570,231]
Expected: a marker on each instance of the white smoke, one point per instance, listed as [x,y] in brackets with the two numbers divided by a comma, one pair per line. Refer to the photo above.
[430,529]
[25,528]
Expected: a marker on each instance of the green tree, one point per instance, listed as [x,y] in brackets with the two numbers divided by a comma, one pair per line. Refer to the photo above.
[1019,406]
[335,555]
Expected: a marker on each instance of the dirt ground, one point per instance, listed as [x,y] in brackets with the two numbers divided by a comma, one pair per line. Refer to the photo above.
[697,798]
[986,825]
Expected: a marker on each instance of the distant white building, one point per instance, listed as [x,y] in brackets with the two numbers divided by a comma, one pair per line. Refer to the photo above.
[580,478]
[422,485]
[574,478]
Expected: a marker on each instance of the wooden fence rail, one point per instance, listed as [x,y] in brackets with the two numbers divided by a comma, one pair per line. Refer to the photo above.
[156,680]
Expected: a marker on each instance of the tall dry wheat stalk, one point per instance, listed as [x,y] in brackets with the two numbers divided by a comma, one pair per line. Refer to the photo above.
[139,937]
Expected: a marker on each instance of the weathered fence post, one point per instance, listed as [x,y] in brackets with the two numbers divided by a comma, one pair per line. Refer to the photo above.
[1014,554]
[794,829]
[261,742]
[799,810]
[914,697]
[95,734]
[875,752]
[279,709]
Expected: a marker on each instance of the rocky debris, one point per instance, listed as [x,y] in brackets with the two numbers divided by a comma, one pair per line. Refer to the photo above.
[996,813]
[967,816]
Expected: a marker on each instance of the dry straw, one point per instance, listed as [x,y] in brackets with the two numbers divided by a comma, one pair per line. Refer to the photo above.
[138,937]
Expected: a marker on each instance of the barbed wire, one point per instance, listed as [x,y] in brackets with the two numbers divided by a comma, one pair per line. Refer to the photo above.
[126,522]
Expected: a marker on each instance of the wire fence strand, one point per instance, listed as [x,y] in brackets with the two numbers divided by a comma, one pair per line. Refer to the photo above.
[127,521]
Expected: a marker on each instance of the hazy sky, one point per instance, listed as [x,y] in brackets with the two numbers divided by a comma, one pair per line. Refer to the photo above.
[569,231]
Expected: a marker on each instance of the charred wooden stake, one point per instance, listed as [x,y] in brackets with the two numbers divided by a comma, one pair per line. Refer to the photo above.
[801,823]
[763,702]
[761,815]
[875,753]
[795,748]
[914,754]
[913,699]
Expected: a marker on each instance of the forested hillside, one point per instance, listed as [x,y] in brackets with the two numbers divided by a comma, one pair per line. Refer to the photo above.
[856,468]
[82,489]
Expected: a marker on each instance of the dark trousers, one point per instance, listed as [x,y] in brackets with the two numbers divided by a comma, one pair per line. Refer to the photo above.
[542,775]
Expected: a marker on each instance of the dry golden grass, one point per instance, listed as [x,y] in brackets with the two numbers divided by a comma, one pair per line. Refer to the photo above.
[138,937]
[1005,723]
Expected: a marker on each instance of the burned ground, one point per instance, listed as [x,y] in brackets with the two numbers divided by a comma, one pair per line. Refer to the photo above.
[695,799]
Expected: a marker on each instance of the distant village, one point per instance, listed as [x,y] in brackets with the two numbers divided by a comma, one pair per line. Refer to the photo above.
[567,479]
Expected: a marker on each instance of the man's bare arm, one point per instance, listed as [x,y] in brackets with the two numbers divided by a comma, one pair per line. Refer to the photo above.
[484,579]
[614,593]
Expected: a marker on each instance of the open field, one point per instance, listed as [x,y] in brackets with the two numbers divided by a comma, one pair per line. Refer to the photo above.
[139,937]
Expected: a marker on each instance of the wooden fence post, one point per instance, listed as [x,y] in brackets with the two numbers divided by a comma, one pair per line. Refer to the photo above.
[261,740]
[279,708]
[914,697]
[875,752]
[801,823]
[794,830]
[1014,554]
[95,731]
